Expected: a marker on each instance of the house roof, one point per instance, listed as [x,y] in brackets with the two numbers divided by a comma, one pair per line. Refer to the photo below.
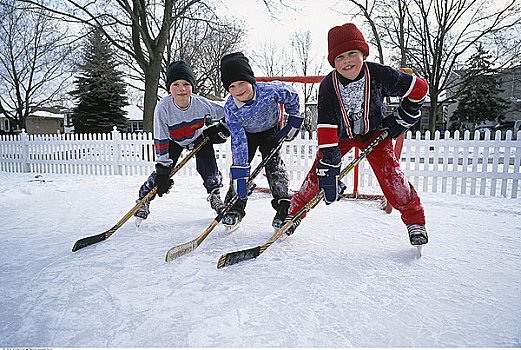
[133,112]
[46,115]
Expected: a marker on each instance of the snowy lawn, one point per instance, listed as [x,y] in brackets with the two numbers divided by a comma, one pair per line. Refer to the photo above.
[347,278]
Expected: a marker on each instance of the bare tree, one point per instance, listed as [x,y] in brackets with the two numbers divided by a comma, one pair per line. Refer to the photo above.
[272,59]
[201,39]
[136,28]
[394,24]
[33,56]
[434,36]
[305,65]
[444,32]
[369,9]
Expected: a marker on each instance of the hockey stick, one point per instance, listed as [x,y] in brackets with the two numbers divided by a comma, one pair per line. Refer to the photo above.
[252,253]
[84,242]
[182,249]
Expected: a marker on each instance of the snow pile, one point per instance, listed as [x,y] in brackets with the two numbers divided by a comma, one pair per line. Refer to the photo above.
[347,278]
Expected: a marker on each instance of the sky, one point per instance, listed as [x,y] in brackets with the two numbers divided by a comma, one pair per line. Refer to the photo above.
[316,16]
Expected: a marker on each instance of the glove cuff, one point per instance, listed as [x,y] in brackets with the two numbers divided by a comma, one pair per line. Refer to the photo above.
[238,172]
[295,121]
[328,165]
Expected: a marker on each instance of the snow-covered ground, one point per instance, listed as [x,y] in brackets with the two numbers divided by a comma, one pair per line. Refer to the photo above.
[347,278]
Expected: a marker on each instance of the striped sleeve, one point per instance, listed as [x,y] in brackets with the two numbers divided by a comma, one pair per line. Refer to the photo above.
[161,136]
[418,90]
[327,135]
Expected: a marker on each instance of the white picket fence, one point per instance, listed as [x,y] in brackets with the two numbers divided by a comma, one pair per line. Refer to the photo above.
[445,164]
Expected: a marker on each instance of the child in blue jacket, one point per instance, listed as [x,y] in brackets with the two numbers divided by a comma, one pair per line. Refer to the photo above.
[252,114]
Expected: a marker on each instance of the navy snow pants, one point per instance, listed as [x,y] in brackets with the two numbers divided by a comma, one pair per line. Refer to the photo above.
[206,166]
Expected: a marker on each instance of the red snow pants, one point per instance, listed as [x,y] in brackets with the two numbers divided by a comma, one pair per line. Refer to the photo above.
[399,192]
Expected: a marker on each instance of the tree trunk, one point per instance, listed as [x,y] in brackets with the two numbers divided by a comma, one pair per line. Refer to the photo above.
[433,111]
[150,99]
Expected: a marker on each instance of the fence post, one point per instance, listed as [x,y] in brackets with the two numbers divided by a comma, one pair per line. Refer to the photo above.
[116,138]
[24,138]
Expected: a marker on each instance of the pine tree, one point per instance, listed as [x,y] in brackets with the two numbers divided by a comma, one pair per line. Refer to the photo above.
[100,89]
[480,101]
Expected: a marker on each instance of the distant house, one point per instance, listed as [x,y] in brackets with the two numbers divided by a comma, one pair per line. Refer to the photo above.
[7,127]
[510,82]
[511,85]
[135,118]
[45,122]
[41,121]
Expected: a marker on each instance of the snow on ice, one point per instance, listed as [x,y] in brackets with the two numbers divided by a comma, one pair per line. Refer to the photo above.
[348,277]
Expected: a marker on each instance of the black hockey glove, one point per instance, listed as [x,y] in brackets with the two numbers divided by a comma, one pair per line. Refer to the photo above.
[163,180]
[398,122]
[327,175]
[402,118]
[217,133]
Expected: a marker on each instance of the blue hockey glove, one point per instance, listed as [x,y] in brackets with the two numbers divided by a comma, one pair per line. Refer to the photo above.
[327,175]
[240,175]
[398,122]
[163,180]
[292,128]
[217,133]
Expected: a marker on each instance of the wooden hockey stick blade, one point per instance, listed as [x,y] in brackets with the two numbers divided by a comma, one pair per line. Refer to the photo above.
[180,250]
[87,241]
[252,253]
[185,248]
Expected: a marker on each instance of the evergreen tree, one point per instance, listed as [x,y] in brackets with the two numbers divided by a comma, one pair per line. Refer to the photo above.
[100,89]
[480,101]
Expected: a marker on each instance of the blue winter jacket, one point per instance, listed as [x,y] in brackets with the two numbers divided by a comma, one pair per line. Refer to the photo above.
[259,114]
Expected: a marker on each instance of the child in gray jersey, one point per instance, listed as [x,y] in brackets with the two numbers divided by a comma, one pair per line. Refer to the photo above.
[253,117]
[180,122]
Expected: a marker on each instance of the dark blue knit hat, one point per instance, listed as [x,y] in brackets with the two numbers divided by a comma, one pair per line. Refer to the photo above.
[179,70]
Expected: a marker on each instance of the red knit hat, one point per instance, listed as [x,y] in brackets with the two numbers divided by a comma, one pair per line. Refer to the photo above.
[344,38]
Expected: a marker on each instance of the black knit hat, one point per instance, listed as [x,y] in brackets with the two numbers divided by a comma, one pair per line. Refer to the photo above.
[235,67]
[179,70]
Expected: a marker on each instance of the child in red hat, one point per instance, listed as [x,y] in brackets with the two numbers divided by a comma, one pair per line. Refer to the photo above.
[351,113]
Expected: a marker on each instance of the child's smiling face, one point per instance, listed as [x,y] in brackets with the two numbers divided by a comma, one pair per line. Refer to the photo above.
[181,90]
[349,63]
[241,90]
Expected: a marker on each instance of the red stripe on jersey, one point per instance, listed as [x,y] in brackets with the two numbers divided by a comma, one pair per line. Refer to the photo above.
[327,135]
[185,131]
[161,147]
[342,108]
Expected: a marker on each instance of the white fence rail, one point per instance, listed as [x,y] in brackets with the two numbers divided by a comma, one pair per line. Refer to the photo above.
[445,164]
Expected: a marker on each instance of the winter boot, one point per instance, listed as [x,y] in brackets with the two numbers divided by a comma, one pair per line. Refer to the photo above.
[231,220]
[281,206]
[417,234]
[142,213]
[215,200]
[293,227]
